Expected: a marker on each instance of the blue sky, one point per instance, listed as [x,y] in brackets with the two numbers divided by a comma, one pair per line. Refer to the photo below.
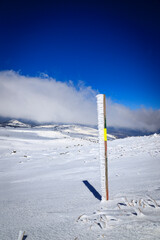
[112,46]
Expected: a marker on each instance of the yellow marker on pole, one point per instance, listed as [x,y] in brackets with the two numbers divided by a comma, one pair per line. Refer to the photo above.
[105,134]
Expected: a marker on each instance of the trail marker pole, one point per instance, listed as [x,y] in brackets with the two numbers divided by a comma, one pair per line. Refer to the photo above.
[21,235]
[102,128]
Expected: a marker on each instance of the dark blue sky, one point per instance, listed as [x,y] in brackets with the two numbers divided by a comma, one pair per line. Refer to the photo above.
[113,46]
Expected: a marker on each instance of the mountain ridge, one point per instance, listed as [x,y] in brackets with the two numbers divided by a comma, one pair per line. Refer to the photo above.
[113,131]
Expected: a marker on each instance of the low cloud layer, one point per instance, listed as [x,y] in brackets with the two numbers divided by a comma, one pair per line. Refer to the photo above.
[140,119]
[47,100]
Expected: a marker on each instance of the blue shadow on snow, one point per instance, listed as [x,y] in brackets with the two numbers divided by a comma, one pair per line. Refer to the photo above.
[92,190]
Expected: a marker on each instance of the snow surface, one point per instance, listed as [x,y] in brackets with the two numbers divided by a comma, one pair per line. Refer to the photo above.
[50,185]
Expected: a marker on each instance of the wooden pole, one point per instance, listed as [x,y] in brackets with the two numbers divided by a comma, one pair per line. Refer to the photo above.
[102,127]
[105,144]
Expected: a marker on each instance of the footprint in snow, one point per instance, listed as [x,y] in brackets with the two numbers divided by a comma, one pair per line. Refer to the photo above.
[105,218]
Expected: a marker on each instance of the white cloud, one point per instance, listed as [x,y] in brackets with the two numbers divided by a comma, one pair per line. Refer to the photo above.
[139,119]
[47,100]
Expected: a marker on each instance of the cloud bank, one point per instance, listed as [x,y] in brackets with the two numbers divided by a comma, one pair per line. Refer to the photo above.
[47,100]
[140,119]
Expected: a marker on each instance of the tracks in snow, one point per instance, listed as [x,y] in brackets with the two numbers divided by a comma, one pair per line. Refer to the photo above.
[122,210]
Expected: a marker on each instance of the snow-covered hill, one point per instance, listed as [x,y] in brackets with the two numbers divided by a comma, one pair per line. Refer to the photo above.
[50,185]
[14,123]
[69,130]
[79,131]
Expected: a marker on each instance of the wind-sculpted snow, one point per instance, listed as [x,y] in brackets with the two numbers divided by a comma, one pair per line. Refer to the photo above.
[50,185]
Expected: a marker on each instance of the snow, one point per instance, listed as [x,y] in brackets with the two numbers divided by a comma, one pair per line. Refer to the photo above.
[50,185]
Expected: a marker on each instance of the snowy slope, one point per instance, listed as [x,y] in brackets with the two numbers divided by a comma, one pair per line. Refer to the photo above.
[50,185]
[14,123]
[76,131]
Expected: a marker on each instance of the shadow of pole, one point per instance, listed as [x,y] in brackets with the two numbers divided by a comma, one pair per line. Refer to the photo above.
[92,190]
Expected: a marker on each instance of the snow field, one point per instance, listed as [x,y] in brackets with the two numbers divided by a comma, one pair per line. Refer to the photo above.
[50,185]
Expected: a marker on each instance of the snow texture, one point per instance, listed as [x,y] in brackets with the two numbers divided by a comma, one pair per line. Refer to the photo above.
[50,185]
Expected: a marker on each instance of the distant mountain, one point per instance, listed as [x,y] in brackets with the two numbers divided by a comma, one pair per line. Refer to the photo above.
[127,132]
[74,129]
[15,123]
